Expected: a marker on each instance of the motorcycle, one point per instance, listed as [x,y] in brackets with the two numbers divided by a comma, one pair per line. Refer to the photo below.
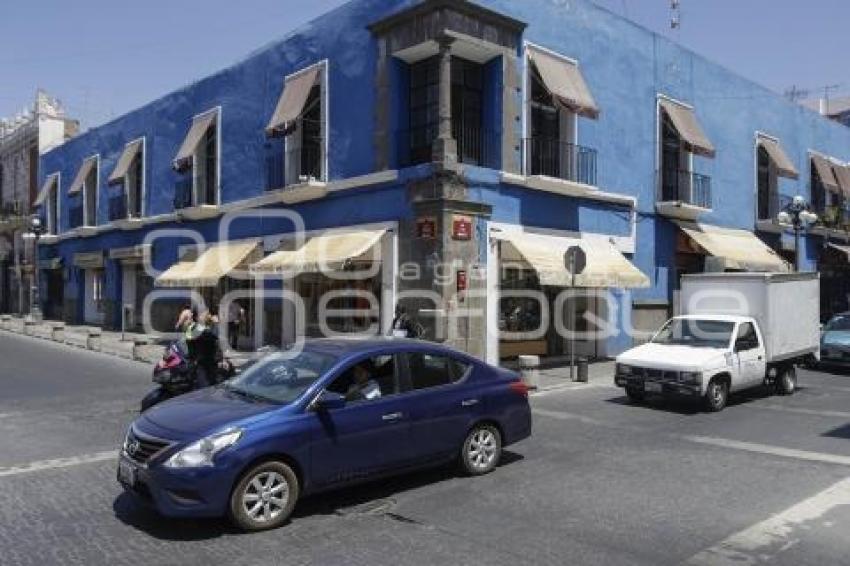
[176,374]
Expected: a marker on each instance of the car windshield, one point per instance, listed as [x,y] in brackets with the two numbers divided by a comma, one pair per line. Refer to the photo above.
[838,323]
[281,377]
[696,333]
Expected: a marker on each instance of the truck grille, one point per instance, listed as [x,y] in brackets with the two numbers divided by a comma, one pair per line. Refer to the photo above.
[142,448]
[656,374]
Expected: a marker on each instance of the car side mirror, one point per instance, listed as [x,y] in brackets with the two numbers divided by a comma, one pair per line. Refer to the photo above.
[329,401]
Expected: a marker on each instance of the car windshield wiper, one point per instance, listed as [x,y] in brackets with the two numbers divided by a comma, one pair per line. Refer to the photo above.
[247,394]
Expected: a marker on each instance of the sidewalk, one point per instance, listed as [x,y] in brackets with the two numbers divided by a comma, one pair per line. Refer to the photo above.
[599,374]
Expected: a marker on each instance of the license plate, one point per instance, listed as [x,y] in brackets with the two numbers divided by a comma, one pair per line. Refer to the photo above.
[126,473]
[652,387]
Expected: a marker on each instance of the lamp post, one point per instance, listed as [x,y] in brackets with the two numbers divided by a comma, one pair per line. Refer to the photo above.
[799,215]
[36,230]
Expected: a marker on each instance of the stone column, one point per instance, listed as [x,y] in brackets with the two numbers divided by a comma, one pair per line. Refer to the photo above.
[445,146]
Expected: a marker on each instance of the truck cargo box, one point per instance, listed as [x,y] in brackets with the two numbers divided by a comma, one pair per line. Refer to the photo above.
[785,305]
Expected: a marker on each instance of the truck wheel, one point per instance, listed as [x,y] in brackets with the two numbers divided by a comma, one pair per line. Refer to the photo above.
[786,381]
[716,395]
[635,394]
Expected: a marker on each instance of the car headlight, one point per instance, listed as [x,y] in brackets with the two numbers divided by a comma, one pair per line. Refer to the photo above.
[201,453]
[691,377]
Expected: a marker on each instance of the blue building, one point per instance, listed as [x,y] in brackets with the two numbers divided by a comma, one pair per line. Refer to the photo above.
[442,155]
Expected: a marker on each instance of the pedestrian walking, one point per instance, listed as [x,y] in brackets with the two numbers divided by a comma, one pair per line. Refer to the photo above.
[234,317]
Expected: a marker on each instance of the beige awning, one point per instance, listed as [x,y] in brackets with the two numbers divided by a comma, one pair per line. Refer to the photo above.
[736,250]
[82,174]
[88,260]
[563,79]
[784,167]
[328,252]
[686,123]
[214,263]
[200,125]
[131,150]
[606,266]
[296,89]
[824,169]
[842,175]
[49,185]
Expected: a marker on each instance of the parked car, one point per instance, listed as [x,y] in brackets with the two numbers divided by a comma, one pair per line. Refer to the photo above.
[337,412]
[738,331]
[835,341]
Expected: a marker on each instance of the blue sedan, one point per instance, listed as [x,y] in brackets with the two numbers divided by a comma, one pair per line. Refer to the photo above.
[335,413]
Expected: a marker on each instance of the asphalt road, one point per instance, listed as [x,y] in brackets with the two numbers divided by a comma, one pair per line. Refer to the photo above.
[600,482]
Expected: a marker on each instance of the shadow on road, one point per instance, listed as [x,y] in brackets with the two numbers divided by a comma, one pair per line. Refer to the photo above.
[687,406]
[840,432]
[372,498]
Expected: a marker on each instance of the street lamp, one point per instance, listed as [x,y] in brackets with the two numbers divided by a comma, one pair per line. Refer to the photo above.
[36,230]
[798,214]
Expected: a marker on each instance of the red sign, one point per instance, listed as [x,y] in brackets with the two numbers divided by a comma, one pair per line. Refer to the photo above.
[462,228]
[426,228]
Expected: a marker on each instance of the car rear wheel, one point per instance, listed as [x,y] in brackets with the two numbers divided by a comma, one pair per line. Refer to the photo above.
[786,381]
[481,450]
[716,395]
[265,497]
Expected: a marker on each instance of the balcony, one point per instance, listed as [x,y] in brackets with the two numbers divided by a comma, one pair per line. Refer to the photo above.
[768,206]
[684,195]
[560,160]
[184,198]
[475,146]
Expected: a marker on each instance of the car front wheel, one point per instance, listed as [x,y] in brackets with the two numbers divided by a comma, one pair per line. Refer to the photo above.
[716,395]
[265,497]
[481,450]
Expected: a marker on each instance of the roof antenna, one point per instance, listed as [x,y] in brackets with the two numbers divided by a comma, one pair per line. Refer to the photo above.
[675,14]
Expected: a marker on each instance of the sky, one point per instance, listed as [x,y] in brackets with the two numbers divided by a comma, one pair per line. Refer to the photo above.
[103,58]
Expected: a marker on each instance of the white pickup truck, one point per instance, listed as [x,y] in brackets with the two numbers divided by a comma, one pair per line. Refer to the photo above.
[737,331]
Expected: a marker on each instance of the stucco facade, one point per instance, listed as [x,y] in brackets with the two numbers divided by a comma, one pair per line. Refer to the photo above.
[365,178]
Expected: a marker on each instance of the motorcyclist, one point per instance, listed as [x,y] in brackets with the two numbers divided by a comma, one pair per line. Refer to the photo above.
[205,351]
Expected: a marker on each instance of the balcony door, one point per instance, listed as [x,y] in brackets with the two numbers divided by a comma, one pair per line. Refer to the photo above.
[467,111]
[673,162]
[765,183]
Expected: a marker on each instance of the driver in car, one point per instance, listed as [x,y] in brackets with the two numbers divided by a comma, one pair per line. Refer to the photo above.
[364,387]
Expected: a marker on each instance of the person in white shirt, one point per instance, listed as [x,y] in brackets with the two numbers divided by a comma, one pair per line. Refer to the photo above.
[364,387]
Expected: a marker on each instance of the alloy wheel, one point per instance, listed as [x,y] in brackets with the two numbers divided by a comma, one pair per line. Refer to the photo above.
[265,497]
[483,447]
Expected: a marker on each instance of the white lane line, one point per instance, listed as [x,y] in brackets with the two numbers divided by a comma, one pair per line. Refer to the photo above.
[802,411]
[42,465]
[764,541]
[771,450]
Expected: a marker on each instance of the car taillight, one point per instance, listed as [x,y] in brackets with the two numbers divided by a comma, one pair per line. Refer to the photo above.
[519,387]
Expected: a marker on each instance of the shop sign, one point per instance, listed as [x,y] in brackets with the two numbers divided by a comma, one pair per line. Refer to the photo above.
[426,228]
[462,228]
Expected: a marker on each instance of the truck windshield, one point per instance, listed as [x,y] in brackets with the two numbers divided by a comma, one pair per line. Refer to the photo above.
[696,333]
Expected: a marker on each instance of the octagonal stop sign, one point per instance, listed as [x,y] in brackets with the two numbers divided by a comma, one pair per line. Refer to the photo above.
[575,260]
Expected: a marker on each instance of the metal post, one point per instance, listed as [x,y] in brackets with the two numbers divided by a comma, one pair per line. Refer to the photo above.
[35,307]
[573,318]
[797,244]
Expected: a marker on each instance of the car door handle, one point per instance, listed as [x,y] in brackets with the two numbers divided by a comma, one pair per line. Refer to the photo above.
[390,417]
[469,402]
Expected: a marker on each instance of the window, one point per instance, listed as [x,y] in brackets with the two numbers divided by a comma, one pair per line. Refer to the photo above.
[368,380]
[53,209]
[90,188]
[766,186]
[467,111]
[674,162]
[133,187]
[430,370]
[747,338]
[305,144]
[424,109]
[198,161]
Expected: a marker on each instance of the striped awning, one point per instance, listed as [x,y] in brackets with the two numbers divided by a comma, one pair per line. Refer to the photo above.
[825,173]
[563,79]
[328,252]
[296,90]
[217,261]
[734,250]
[606,266]
[82,174]
[780,159]
[200,125]
[131,150]
[685,121]
[842,175]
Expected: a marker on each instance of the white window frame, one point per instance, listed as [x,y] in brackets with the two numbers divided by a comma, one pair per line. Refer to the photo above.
[288,142]
[217,123]
[773,178]
[689,161]
[143,184]
[568,126]
[86,220]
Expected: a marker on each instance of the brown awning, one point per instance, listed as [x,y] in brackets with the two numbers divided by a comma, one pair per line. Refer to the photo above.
[563,79]
[735,250]
[842,175]
[49,184]
[686,123]
[131,150]
[784,167]
[82,174]
[200,125]
[296,89]
[824,169]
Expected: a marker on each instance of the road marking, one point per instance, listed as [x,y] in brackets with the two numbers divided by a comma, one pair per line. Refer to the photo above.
[42,465]
[771,450]
[801,411]
[764,541]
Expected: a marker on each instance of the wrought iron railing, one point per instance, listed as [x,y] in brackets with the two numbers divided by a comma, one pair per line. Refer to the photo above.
[686,187]
[475,146]
[555,158]
[117,207]
[295,165]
